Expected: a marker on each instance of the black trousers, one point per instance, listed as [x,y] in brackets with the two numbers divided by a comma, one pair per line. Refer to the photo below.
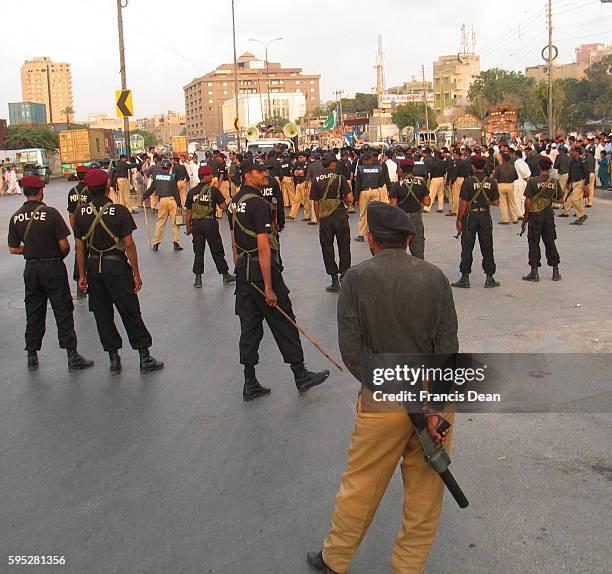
[335,227]
[207,230]
[477,223]
[417,247]
[115,287]
[48,281]
[542,225]
[252,309]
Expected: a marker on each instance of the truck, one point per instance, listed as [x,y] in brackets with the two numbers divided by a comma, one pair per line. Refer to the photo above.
[179,144]
[79,147]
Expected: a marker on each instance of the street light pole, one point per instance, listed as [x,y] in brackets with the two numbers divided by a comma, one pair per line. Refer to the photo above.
[126,120]
[235,77]
[265,45]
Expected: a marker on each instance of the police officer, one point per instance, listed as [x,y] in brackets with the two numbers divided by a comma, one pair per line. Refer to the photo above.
[411,196]
[76,197]
[578,185]
[330,192]
[168,204]
[368,187]
[201,204]
[301,197]
[39,233]
[181,176]
[122,179]
[478,193]
[108,270]
[287,186]
[540,192]
[254,248]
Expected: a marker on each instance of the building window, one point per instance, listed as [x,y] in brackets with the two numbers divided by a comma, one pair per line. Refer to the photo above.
[312,81]
[210,84]
[210,101]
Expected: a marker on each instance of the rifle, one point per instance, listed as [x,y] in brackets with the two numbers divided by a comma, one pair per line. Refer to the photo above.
[437,457]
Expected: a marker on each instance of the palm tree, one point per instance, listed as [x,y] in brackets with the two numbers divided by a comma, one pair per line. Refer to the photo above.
[68,110]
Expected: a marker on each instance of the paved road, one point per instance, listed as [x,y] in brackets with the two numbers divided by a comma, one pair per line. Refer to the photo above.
[173,473]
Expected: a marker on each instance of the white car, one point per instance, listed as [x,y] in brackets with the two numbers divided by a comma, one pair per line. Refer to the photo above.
[266,145]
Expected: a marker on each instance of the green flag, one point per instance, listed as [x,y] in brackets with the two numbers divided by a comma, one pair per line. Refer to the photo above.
[330,122]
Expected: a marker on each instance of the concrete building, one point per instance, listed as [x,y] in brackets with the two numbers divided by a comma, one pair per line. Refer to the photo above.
[104,121]
[162,126]
[414,89]
[253,109]
[27,113]
[453,76]
[49,83]
[205,96]
[590,54]
[561,72]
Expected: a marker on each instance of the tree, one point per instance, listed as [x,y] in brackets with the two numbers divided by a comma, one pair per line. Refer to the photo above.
[276,123]
[599,76]
[319,112]
[361,104]
[68,111]
[410,113]
[149,139]
[18,137]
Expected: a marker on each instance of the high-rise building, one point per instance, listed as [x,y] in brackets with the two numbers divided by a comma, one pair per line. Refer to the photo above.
[590,54]
[453,76]
[205,96]
[49,83]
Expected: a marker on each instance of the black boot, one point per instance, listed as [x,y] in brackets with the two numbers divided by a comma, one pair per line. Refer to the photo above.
[198,281]
[115,361]
[335,285]
[360,238]
[156,247]
[81,294]
[177,247]
[464,282]
[149,363]
[580,220]
[76,362]
[315,559]
[252,389]
[305,379]
[533,275]
[490,282]
[32,360]
[556,275]
[228,278]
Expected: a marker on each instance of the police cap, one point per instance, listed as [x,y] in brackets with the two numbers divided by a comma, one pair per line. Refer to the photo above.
[32,182]
[166,163]
[253,164]
[82,169]
[406,163]
[388,220]
[205,170]
[545,162]
[478,161]
[96,178]
[328,159]
[94,165]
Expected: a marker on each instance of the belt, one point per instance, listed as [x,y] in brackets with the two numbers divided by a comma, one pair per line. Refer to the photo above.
[46,259]
[480,209]
[108,257]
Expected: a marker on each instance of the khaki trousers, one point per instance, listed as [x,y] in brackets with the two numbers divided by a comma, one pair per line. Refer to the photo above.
[234,189]
[591,189]
[507,204]
[299,199]
[182,188]
[575,199]
[365,196]
[378,443]
[166,208]
[455,191]
[436,190]
[224,188]
[309,210]
[384,194]
[123,193]
[563,183]
[288,189]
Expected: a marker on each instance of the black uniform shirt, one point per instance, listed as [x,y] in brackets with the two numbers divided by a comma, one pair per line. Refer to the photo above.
[505,173]
[254,215]
[122,169]
[273,191]
[578,171]
[193,195]
[319,185]
[117,217]
[180,172]
[222,169]
[368,177]
[285,168]
[235,174]
[77,195]
[163,185]
[562,162]
[343,167]
[549,188]
[47,229]
[469,188]
[463,168]
[589,163]
[406,200]
[300,166]
[438,168]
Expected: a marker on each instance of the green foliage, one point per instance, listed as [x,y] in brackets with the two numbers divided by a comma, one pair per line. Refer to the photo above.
[149,139]
[19,137]
[361,104]
[275,123]
[318,113]
[410,113]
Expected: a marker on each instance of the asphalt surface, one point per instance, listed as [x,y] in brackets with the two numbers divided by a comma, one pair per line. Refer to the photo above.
[171,472]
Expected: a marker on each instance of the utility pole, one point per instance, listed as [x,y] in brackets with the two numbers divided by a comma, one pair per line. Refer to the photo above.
[425,103]
[339,98]
[265,45]
[551,120]
[126,120]
[235,76]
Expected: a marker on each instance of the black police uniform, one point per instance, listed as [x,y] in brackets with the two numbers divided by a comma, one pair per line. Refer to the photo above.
[541,190]
[40,228]
[478,190]
[203,200]
[368,177]
[77,196]
[410,192]
[250,216]
[330,190]
[109,276]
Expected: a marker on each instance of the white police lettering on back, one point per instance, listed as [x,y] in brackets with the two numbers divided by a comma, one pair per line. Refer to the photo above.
[41,216]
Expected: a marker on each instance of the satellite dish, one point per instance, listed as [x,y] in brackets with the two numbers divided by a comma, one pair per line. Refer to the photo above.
[252,133]
[291,130]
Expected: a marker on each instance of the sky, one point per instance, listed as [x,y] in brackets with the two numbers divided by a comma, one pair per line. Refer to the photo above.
[170,43]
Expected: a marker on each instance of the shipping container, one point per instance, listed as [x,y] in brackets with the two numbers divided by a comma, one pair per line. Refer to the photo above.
[81,146]
[29,113]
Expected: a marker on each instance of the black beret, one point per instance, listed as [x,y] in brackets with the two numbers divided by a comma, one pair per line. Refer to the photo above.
[545,162]
[253,165]
[385,219]
[328,159]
